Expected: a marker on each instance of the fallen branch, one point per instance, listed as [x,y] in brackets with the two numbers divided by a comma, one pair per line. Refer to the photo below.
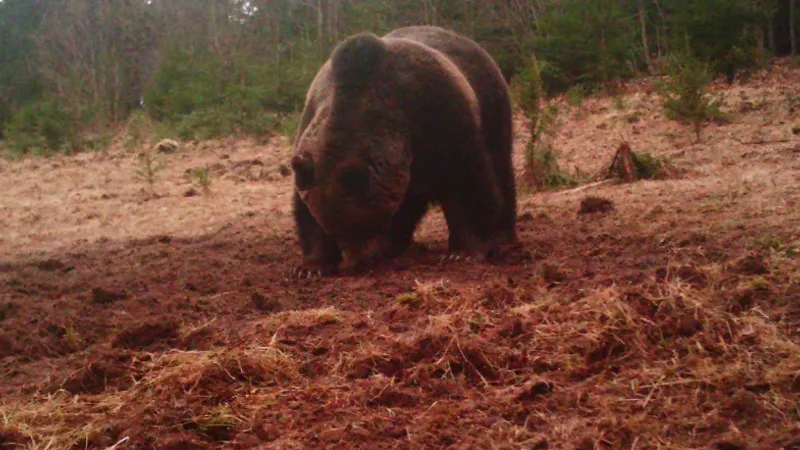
[586,186]
[775,141]
[120,442]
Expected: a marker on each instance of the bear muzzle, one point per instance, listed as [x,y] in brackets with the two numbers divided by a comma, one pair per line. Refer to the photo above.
[358,257]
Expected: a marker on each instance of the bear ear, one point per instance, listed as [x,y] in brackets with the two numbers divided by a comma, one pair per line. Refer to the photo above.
[354,179]
[303,168]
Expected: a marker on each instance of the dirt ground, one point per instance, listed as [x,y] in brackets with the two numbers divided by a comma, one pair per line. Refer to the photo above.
[136,316]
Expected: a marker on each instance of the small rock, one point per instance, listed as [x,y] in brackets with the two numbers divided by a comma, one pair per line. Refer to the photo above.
[787,443]
[552,274]
[104,296]
[262,303]
[190,193]
[512,330]
[50,265]
[753,264]
[245,440]
[688,326]
[148,335]
[595,204]
[692,276]
[12,437]
[728,445]
[534,390]
[655,211]
[333,435]
[7,346]
[758,388]
[166,146]
[525,217]
[541,444]
[7,309]
[284,170]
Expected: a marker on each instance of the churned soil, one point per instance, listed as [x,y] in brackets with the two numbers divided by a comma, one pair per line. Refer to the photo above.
[655,314]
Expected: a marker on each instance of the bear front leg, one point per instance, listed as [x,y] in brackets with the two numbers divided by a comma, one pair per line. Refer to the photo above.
[470,237]
[472,206]
[321,254]
[504,173]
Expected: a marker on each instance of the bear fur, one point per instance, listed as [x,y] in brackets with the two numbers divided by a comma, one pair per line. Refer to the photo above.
[392,125]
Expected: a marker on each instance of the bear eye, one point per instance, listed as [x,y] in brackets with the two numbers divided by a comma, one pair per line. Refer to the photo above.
[354,180]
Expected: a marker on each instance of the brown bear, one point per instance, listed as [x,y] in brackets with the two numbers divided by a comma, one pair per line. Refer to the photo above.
[391,125]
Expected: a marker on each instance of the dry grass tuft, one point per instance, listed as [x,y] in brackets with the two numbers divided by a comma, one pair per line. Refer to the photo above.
[57,420]
[207,375]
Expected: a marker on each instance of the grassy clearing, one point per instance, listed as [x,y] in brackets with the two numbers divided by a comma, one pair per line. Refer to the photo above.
[664,318]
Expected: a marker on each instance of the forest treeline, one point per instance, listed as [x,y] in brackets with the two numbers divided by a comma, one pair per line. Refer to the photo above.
[73,70]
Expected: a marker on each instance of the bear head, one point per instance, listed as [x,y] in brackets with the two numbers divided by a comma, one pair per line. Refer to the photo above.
[354,192]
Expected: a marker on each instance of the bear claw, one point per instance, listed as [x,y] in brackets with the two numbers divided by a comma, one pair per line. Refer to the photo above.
[301,273]
[454,257]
